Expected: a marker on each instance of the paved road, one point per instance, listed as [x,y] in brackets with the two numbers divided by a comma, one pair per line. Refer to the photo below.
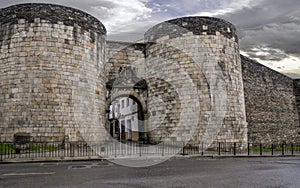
[229,172]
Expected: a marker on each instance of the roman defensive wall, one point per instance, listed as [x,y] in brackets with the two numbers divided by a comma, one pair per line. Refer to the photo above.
[59,76]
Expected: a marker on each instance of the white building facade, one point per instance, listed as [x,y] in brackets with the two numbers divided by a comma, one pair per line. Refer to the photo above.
[124,119]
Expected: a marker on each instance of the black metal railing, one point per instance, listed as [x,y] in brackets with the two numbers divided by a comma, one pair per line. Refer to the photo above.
[35,151]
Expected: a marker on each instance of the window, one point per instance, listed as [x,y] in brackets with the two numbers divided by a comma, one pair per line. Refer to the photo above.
[127,102]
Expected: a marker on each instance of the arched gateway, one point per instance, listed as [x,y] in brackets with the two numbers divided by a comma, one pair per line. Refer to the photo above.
[126,107]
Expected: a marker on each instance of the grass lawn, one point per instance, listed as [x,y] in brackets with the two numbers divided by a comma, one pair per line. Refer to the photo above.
[9,148]
[278,148]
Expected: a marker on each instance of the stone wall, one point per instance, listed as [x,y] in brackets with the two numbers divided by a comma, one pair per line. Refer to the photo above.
[52,59]
[195,82]
[121,55]
[57,75]
[297,95]
[271,110]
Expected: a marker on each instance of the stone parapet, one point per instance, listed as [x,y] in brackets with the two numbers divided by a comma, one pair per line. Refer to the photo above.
[196,25]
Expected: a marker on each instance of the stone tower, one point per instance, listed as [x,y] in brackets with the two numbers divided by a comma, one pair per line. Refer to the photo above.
[51,73]
[195,83]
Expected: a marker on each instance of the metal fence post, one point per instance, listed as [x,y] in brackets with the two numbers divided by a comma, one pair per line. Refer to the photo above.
[5,150]
[219,148]
[272,149]
[248,149]
[234,148]
[140,149]
[29,148]
[115,149]
[260,149]
[202,152]
[1,157]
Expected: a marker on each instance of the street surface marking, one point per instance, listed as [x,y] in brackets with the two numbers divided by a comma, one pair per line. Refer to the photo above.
[26,174]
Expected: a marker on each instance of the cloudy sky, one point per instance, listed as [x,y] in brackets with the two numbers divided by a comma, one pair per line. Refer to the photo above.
[269,30]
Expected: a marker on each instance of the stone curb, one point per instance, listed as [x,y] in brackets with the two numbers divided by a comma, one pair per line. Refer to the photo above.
[111,159]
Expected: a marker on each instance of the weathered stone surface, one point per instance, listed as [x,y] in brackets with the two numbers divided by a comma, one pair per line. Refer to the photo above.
[191,26]
[53,14]
[55,65]
[52,57]
[271,110]
[123,54]
[297,95]
[195,71]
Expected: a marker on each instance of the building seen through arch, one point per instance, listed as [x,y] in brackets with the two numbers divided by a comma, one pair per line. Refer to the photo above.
[124,122]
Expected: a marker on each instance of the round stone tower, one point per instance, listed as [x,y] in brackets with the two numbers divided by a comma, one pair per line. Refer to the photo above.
[51,73]
[195,82]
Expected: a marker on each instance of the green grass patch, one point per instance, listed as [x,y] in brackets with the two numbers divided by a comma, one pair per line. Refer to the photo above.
[38,147]
[287,148]
[7,149]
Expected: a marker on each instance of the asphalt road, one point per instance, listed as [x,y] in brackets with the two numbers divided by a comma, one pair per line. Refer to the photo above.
[228,172]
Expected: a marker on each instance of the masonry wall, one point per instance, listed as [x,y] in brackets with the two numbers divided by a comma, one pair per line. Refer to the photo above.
[271,110]
[297,95]
[121,55]
[195,83]
[55,65]
[52,59]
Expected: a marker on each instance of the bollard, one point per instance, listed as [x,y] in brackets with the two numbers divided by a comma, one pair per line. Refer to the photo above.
[292,145]
[282,149]
[219,148]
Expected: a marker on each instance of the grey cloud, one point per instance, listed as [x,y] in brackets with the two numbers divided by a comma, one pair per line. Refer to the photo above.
[273,23]
[285,37]
[132,35]
[266,53]
[79,4]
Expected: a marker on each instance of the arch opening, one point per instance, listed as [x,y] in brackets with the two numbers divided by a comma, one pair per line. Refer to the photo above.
[126,119]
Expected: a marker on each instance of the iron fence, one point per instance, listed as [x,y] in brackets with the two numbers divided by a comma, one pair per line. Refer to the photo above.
[36,151]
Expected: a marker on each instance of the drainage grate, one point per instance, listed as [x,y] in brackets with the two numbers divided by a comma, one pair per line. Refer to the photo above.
[102,164]
[94,165]
[79,167]
[49,164]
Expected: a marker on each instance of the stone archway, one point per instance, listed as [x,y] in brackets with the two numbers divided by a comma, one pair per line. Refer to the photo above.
[127,86]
